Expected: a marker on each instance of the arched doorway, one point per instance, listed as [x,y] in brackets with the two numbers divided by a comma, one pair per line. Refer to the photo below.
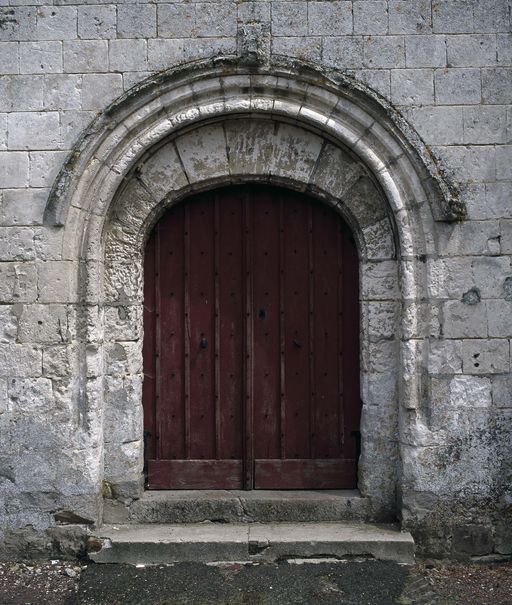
[251,344]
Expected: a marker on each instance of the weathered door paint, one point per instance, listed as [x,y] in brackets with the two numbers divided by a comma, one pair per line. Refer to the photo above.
[251,348]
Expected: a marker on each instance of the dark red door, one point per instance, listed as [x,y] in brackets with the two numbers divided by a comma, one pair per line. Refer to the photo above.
[251,317]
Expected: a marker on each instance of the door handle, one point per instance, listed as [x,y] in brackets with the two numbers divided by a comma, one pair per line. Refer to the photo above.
[203,343]
[296,344]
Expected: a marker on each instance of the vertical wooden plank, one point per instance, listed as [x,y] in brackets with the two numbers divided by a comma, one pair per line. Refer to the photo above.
[296,326]
[149,348]
[169,237]
[282,266]
[266,337]
[231,324]
[216,328]
[326,329]
[186,331]
[340,311]
[248,205]
[202,337]
[311,330]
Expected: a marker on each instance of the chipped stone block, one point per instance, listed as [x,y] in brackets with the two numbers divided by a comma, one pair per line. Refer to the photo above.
[379,281]
[20,360]
[16,244]
[445,357]
[203,153]
[56,23]
[59,361]
[57,281]
[486,356]
[289,19]
[29,394]
[123,322]
[464,321]
[8,324]
[43,324]
[18,282]
[163,172]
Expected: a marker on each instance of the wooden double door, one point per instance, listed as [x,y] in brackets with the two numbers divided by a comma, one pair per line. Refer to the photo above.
[251,324]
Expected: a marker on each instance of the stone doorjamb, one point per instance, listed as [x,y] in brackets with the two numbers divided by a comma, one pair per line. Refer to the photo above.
[217,123]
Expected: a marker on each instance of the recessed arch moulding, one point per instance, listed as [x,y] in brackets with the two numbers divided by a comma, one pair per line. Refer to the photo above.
[209,125]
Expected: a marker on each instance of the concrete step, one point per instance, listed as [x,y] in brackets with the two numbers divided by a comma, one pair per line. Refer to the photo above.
[154,544]
[258,506]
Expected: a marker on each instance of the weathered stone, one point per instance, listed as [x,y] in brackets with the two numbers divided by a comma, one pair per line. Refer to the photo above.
[472,540]
[486,356]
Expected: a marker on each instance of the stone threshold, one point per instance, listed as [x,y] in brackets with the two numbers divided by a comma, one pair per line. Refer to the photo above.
[237,506]
[153,544]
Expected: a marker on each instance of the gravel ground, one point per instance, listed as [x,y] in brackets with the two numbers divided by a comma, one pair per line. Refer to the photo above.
[341,583]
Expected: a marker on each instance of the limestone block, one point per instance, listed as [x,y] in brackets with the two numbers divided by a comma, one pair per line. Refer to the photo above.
[504,49]
[83,56]
[502,390]
[127,55]
[21,93]
[8,324]
[59,361]
[57,281]
[29,395]
[3,131]
[10,57]
[177,20]
[370,17]
[123,322]
[485,125]
[289,19]
[20,360]
[13,169]
[445,357]
[425,51]
[379,241]
[216,19]
[469,238]
[40,57]
[94,360]
[99,90]
[23,206]
[365,202]
[452,16]
[489,200]
[379,388]
[18,282]
[97,22]
[250,146]
[382,52]
[504,162]
[449,277]
[379,280]
[62,91]
[33,131]
[490,274]
[294,153]
[307,49]
[3,396]
[163,172]
[460,392]
[486,356]
[381,356]
[18,23]
[438,125]
[377,79]
[410,17]
[249,11]
[72,124]
[44,167]
[162,52]
[329,18]
[336,172]
[342,52]
[136,21]
[124,358]
[43,324]
[56,23]
[471,163]
[471,50]
[472,540]
[499,317]
[455,86]
[496,85]
[464,321]
[382,319]
[16,243]
[203,153]
[123,421]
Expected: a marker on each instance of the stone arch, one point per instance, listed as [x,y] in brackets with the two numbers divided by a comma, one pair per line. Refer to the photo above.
[214,124]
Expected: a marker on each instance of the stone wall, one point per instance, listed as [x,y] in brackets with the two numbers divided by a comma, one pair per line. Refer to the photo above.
[445,66]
